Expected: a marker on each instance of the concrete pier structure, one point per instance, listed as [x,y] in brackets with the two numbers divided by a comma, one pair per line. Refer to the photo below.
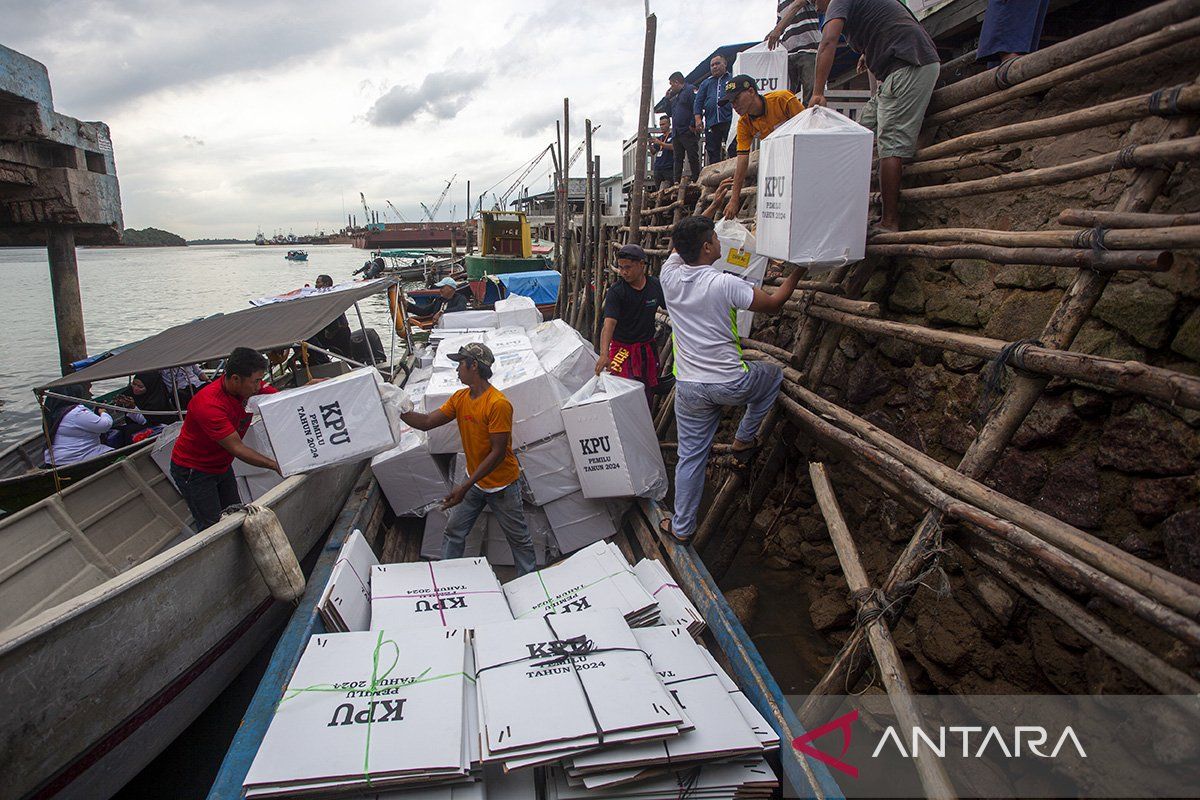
[58,187]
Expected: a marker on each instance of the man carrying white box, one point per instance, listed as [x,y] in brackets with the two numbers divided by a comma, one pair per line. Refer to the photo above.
[485,422]
[709,369]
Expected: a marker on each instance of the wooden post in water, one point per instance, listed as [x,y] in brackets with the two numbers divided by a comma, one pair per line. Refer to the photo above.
[601,272]
[639,167]
[587,265]
[64,288]
[566,174]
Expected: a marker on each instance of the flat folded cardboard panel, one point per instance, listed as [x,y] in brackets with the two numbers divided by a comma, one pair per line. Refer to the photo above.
[613,440]
[455,593]
[408,474]
[548,470]
[814,174]
[160,451]
[334,422]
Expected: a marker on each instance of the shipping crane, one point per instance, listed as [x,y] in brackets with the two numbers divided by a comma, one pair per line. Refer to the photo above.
[502,201]
[441,199]
[395,211]
[370,225]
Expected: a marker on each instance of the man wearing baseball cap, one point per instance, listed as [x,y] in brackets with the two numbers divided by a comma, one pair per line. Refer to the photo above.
[484,417]
[758,115]
[630,305]
[447,301]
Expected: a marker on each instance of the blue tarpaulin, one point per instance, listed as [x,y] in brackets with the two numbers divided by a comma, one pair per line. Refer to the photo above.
[541,286]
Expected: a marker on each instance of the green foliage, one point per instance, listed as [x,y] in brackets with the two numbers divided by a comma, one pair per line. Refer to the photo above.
[151,237]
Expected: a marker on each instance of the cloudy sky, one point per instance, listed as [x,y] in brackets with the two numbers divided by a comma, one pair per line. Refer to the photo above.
[230,116]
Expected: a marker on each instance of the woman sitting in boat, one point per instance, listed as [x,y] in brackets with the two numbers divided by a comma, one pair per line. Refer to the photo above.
[73,429]
[146,393]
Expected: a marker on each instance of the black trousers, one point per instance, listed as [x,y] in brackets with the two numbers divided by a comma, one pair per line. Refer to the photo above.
[206,493]
[714,142]
[687,144]
[662,174]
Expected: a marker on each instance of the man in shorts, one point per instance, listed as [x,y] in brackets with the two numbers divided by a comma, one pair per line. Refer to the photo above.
[902,56]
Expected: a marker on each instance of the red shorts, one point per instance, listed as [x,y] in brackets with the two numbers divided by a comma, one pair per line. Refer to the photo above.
[637,361]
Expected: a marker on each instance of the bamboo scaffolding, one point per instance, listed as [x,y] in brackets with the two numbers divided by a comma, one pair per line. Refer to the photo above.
[1163,238]
[643,133]
[1115,219]
[1172,591]
[857,278]
[1145,155]
[815,286]
[1128,376]
[1122,54]
[1049,557]
[1128,109]
[933,776]
[803,300]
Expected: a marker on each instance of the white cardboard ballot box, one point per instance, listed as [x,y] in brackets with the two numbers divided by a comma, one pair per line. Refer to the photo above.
[578,521]
[443,439]
[468,319]
[535,395]
[499,551]
[564,354]
[333,422]
[613,441]
[517,310]
[547,469]
[449,346]
[255,439]
[814,176]
[739,256]
[409,476]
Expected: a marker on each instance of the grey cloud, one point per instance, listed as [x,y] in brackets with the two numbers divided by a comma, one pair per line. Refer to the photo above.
[441,95]
[533,122]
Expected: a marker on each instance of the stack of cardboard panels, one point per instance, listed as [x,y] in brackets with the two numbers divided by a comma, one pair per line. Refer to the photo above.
[391,727]
[345,604]
[674,606]
[456,593]
[596,577]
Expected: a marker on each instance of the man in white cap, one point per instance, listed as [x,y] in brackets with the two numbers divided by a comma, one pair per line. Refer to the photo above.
[448,300]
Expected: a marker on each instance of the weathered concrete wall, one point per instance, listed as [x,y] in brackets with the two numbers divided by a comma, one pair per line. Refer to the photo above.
[1118,466]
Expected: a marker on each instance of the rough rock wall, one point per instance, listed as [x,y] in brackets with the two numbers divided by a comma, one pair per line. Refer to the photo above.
[1116,465]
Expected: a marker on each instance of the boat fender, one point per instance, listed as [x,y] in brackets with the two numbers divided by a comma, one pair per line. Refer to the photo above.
[273,553]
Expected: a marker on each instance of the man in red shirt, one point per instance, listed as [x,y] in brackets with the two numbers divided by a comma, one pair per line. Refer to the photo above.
[211,438]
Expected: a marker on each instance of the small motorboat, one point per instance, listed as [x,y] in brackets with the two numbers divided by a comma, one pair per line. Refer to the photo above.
[297,255]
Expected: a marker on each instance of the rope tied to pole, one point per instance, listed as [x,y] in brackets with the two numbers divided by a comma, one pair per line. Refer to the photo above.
[1091,239]
[993,374]
[1125,159]
[1000,76]
[1169,108]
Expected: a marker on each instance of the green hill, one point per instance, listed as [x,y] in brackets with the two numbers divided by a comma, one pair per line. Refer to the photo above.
[151,237]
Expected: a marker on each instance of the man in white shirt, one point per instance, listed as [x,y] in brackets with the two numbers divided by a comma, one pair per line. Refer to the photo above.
[710,374]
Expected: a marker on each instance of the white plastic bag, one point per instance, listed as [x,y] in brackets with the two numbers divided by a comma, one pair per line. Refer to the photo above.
[814,175]
[739,257]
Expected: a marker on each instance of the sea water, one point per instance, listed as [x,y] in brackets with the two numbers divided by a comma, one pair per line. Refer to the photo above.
[131,293]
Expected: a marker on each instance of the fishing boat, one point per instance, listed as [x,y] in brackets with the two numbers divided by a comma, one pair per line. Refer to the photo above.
[296,255]
[118,624]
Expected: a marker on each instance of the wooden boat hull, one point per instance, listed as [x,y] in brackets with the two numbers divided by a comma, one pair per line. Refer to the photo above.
[24,485]
[95,687]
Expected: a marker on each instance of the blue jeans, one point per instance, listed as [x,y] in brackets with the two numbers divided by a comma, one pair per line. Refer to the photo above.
[206,493]
[698,408]
[506,505]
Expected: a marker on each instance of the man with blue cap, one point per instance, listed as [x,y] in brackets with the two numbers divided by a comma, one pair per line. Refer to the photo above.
[448,300]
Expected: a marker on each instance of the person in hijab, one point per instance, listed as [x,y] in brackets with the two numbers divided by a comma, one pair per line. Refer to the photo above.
[72,429]
[149,392]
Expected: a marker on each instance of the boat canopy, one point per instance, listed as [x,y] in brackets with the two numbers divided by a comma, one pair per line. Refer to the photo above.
[261,328]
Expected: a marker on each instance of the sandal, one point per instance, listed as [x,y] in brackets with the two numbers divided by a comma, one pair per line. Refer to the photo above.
[746,455]
[665,527]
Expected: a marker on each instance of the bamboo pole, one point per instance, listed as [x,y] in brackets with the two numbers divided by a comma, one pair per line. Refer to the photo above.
[809,286]
[1180,236]
[1104,260]
[1154,41]
[1048,556]
[802,300]
[806,335]
[1165,587]
[859,274]
[965,161]
[643,134]
[933,776]
[1146,155]
[1129,108]
[1128,376]
[1089,218]
[1141,662]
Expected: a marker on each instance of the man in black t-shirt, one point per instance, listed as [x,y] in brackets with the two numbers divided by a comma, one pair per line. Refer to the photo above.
[627,339]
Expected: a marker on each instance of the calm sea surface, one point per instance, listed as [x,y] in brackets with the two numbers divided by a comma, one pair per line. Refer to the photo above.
[129,294]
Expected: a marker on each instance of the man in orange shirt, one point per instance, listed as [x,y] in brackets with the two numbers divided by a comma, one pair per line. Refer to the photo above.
[484,418]
[758,115]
